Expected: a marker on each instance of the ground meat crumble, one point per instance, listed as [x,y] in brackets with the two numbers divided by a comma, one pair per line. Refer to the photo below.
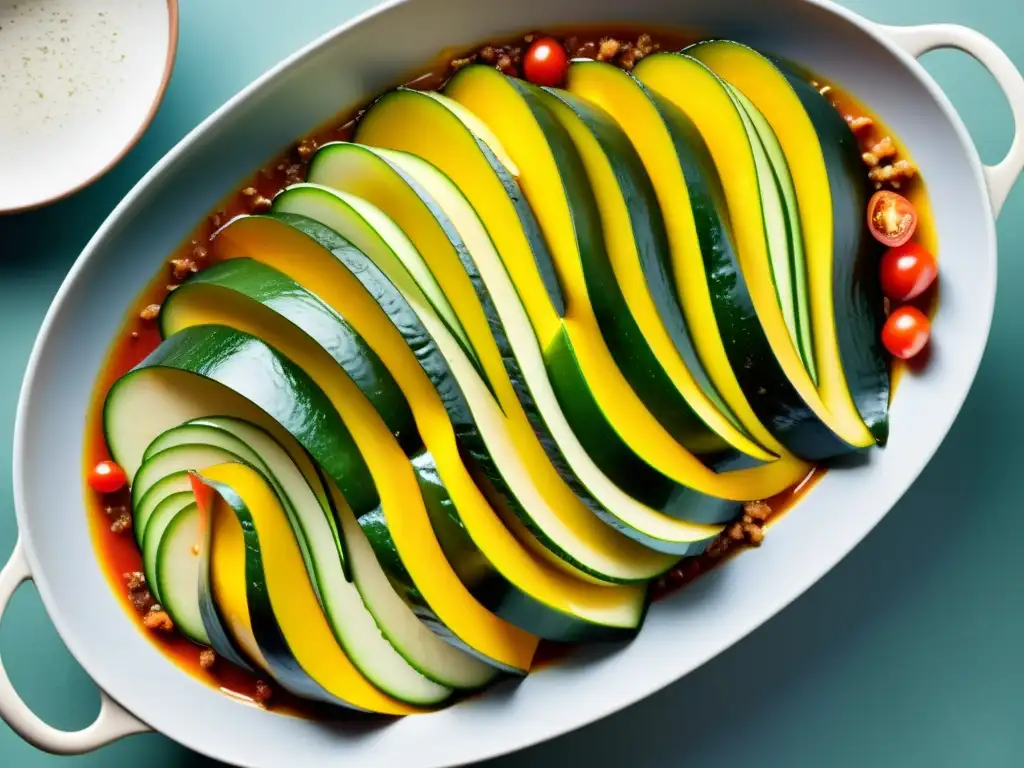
[121,517]
[879,152]
[207,658]
[264,693]
[138,591]
[158,620]
[748,531]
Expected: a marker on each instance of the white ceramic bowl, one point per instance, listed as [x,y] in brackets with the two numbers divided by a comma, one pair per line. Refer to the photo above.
[82,81]
[345,68]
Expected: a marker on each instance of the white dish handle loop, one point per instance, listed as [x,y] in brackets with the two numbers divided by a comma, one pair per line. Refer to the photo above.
[112,723]
[919,40]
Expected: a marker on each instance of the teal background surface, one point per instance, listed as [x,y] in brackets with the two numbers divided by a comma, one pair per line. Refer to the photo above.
[910,653]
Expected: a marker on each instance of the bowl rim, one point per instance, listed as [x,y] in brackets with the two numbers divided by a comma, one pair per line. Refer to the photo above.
[158,97]
[595,710]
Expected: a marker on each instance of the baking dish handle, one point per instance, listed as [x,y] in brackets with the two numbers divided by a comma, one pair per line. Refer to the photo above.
[112,723]
[919,40]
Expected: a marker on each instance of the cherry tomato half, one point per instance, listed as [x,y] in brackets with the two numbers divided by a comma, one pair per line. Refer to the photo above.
[906,332]
[545,62]
[892,218]
[907,271]
[107,477]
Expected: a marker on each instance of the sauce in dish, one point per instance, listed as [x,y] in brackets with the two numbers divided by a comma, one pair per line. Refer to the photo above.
[469,376]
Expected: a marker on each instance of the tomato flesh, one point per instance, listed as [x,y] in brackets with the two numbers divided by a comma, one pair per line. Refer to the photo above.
[546,62]
[107,477]
[907,271]
[906,332]
[892,218]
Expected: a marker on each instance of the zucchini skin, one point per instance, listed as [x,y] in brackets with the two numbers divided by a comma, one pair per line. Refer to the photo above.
[620,330]
[282,295]
[492,589]
[271,641]
[774,400]
[857,289]
[264,376]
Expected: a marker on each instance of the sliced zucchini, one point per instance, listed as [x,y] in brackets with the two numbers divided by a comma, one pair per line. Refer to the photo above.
[789,265]
[353,286]
[176,482]
[253,445]
[262,589]
[175,460]
[631,517]
[615,419]
[552,513]
[322,562]
[426,653]
[579,172]
[521,236]
[367,172]
[163,514]
[314,528]
[336,335]
[176,563]
[688,193]
[211,299]
[832,193]
[206,370]
[216,622]
[763,355]
[495,207]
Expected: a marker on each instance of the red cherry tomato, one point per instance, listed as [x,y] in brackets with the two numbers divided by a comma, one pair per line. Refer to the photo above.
[892,218]
[906,332]
[545,62]
[107,477]
[907,271]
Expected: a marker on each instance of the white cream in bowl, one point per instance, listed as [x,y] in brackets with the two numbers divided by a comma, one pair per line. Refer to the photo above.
[79,82]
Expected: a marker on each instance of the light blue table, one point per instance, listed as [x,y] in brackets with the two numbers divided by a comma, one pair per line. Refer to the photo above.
[911,653]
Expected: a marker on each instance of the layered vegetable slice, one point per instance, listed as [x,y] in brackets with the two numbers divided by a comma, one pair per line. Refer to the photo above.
[547,506]
[251,444]
[782,218]
[204,370]
[176,482]
[176,563]
[858,306]
[221,296]
[428,664]
[521,235]
[425,652]
[559,605]
[760,347]
[163,514]
[578,172]
[629,515]
[603,496]
[378,176]
[268,603]
[832,194]
[174,460]
[195,446]
[689,195]
[435,214]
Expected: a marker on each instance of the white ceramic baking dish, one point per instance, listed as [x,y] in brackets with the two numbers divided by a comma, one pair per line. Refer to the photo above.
[346,67]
